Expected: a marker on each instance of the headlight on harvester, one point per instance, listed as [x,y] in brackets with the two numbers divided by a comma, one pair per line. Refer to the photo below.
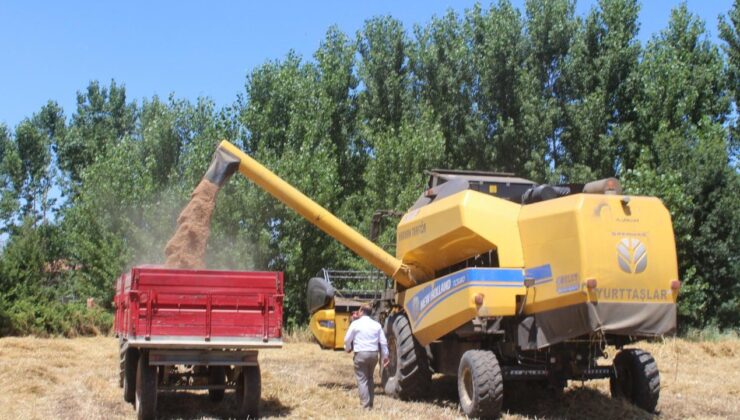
[479,299]
[675,285]
[326,323]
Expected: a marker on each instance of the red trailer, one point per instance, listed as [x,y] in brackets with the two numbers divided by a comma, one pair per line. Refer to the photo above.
[197,330]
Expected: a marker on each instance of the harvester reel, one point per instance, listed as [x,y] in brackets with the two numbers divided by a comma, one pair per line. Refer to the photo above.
[408,374]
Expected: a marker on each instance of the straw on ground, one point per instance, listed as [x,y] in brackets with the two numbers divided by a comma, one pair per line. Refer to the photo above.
[78,378]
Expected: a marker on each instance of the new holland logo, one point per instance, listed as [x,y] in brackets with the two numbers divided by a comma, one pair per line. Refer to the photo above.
[631,255]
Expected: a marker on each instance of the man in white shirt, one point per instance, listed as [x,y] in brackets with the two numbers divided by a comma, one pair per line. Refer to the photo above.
[365,336]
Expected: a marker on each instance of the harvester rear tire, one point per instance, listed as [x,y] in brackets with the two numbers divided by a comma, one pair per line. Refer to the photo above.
[636,379]
[480,384]
[248,392]
[408,376]
[130,365]
[216,376]
[146,389]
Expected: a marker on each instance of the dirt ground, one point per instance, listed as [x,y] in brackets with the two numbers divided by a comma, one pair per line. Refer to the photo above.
[78,379]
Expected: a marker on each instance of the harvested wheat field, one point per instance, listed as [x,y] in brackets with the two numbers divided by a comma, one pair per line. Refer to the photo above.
[78,379]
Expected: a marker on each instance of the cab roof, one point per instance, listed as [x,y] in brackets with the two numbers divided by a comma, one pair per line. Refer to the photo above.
[440,176]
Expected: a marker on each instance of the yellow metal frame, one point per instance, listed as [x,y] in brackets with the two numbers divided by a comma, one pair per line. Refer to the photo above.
[577,238]
[444,304]
[457,227]
[330,337]
[323,219]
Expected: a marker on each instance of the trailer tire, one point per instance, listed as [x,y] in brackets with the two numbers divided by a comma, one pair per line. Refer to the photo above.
[216,376]
[130,366]
[408,374]
[636,379]
[480,384]
[121,362]
[146,389]
[248,392]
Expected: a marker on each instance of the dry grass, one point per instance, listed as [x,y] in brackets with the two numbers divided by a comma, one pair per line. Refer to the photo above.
[77,378]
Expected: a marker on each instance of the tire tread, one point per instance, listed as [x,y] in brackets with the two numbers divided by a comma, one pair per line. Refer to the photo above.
[645,378]
[413,372]
[488,383]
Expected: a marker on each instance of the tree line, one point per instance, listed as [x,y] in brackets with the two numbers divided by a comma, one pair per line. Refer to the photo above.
[541,92]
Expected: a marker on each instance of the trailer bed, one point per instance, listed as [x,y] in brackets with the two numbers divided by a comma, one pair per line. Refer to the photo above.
[199,309]
[195,329]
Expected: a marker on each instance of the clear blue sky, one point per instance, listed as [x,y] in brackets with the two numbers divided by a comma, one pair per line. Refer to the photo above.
[50,50]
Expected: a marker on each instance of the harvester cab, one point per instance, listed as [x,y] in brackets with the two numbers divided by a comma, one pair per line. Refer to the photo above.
[497,279]
[445,182]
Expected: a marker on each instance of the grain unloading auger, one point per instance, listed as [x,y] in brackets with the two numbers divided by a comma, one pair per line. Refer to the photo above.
[497,280]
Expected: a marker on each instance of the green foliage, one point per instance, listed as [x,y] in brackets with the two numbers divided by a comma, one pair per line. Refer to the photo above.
[384,70]
[29,316]
[540,92]
[8,168]
[729,31]
[711,334]
[26,166]
[102,119]
[38,297]
[600,84]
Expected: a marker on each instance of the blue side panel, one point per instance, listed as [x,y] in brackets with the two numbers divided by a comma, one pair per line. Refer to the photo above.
[440,289]
[540,275]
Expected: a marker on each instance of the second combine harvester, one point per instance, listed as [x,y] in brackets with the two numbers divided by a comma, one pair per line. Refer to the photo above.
[498,280]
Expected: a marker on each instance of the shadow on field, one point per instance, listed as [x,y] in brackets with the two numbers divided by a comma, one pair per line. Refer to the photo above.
[576,402]
[189,405]
[272,407]
[338,385]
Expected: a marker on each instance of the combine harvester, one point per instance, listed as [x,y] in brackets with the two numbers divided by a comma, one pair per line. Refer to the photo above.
[497,279]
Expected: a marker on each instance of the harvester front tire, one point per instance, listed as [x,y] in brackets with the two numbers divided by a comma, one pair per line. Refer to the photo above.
[130,365]
[407,376]
[216,376]
[248,392]
[636,379]
[146,389]
[480,384]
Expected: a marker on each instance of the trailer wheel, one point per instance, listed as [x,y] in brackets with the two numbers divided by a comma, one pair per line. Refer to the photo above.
[146,389]
[130,365]
[408,375]
[636,379]
[248,392]
[121,362]
[480,384]
[216,376]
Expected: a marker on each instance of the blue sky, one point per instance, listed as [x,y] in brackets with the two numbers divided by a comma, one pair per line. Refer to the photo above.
[50,50]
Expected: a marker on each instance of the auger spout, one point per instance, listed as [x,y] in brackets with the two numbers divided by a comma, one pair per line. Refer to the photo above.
[228,158]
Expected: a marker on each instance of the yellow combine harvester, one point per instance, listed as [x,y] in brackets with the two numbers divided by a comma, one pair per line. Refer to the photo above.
[497,279]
